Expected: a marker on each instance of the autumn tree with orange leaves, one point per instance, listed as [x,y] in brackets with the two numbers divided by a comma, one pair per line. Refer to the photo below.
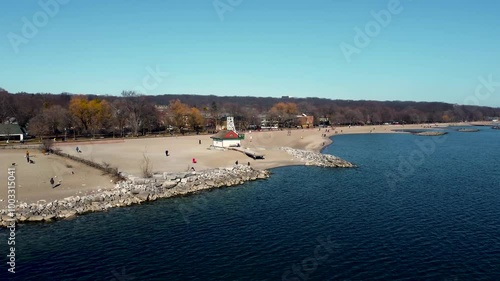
[283,112]
[178,114]
[195,119]
[92,115]
[183,117]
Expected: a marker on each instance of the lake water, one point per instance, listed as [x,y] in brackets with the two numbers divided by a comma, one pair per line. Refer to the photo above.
[416,208]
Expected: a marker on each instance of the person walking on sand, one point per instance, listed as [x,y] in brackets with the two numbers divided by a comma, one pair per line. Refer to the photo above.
[166,152]
[52,182]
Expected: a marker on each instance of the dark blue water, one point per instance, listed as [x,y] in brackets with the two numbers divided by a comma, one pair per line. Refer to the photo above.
[417,208]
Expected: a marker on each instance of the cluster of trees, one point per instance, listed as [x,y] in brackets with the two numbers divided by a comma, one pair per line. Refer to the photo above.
[89,115]
[183,117]
[283,113]
[345,111]
[130,113]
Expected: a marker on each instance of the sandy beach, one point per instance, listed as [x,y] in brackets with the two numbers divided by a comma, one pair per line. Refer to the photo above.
[128,154]
[33,180]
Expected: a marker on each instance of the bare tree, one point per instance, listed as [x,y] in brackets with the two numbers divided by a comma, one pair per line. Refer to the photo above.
[47,145]
[119,113]
[138,109]
[38,126]
[146,166]
[215,113]
[57,118]
[8,131]
[24,107]
[5,107]
[353,116]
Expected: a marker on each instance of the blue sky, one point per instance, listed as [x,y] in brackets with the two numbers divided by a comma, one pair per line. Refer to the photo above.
[427,51]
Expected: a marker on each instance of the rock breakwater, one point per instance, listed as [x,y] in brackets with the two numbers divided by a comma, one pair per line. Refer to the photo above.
[431,133]
[133,190]
[311,158]
[467,130]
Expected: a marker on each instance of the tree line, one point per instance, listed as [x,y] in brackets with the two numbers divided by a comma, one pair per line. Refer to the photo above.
[45,114]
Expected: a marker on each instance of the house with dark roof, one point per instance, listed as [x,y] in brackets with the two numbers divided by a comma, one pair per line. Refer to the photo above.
[227,138]
[12,131]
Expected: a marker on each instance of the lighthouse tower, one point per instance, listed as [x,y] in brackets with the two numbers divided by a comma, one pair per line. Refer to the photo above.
[230,124]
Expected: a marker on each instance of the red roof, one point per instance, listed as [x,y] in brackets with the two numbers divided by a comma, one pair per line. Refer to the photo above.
[226,135]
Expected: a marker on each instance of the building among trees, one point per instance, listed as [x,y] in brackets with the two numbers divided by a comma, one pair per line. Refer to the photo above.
[305,121]
[9,131]
[324,121]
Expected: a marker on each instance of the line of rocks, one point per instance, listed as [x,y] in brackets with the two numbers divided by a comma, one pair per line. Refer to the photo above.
[467,130]
[311,158]
[134,190]
[431,133]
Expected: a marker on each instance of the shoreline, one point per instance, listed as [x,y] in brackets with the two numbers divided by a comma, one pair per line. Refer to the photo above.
[271,143]
[136,190]
[126,155]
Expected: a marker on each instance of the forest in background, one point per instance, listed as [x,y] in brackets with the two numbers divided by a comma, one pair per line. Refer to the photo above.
[45,114]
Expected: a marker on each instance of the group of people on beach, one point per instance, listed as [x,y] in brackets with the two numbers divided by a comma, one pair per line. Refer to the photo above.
[326,131]
[52,181]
